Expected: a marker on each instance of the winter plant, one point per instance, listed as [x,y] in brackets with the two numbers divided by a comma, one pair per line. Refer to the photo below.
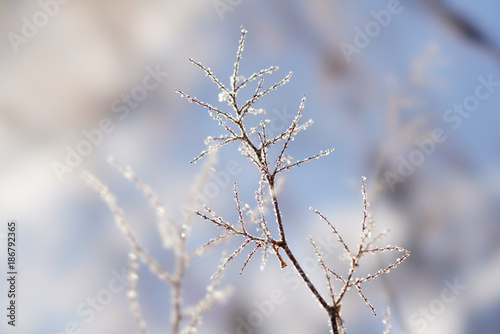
[270,156]
[184,319]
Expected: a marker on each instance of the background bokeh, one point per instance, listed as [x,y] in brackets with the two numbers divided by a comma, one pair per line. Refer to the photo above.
[394,91]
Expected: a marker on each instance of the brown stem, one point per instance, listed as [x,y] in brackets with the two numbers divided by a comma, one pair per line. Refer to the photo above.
[333,324]
[304,277]
[332,311]
[277,212]
[335,320]
[284,245]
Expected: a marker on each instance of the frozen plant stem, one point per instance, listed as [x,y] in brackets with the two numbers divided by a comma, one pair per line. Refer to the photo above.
[184,319]
[255,144]
[332,311]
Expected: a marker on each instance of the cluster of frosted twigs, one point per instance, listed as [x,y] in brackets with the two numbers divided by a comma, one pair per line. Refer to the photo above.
[256,144]
[185,319]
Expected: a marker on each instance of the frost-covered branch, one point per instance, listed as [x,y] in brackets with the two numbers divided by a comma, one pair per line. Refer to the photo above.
[255,144]
[183,318]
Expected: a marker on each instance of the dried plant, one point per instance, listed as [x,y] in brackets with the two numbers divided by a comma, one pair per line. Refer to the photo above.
[259,148]
[184,319]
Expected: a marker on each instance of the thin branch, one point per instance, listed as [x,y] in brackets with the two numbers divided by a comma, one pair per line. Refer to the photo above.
[300,162]
[238,208]
[209,107]
[224,263]
[238,57]
[334,229]
[132,279]
[323,266]
[290,131]
[255,75]
[213,148]
[257,96]
[254,98]
[209,73]
[358,287]
[212,295]
[249,257]
[120,221]
[387,269]
[168,230]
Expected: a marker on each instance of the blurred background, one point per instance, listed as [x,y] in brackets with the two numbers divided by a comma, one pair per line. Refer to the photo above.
[379,76]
